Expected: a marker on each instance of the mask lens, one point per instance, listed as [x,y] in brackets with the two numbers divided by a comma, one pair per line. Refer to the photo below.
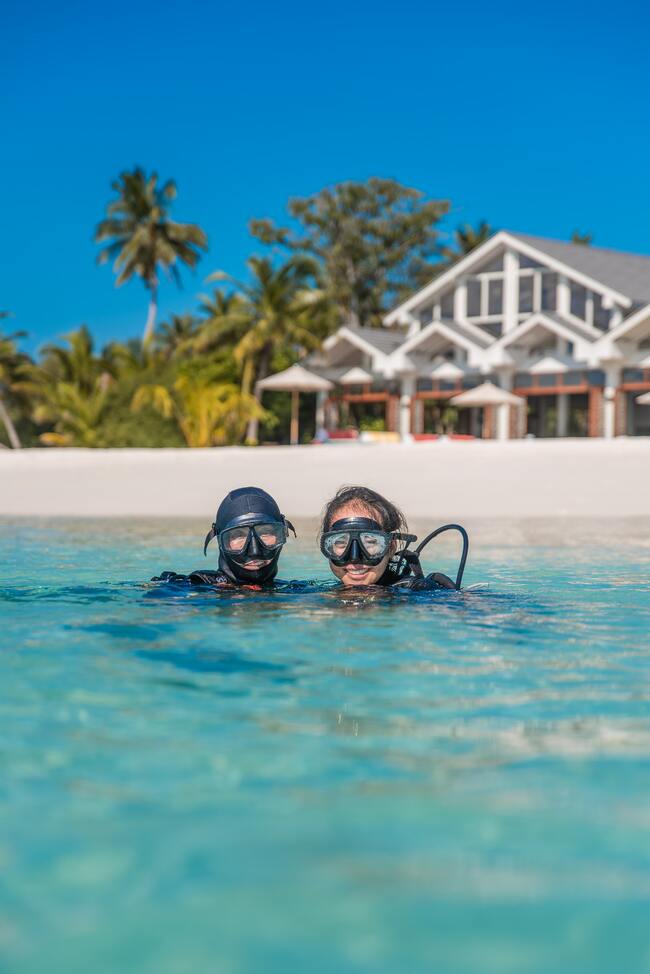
[336,544]
[374,544]
[235,539]
[271,535]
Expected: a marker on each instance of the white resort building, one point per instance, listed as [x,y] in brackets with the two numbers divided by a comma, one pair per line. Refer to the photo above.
[566,327]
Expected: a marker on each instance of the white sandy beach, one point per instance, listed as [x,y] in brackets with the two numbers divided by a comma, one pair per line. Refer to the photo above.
[444,480]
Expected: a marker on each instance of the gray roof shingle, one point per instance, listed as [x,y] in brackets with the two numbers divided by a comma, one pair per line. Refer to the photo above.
[627,273]
[381,338]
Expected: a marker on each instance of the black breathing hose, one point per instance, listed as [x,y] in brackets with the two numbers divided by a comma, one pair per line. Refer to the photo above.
[463,557]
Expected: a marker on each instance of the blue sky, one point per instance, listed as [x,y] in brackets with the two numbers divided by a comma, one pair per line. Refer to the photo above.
[534,117]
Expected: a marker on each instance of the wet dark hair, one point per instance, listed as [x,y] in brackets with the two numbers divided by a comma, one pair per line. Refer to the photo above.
[389,516]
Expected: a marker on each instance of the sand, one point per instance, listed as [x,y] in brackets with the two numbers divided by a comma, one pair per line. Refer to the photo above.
[439,480]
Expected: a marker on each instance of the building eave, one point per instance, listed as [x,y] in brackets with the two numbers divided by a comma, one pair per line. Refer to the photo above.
[349,335]
[566,330]
[438,327]
[621,330]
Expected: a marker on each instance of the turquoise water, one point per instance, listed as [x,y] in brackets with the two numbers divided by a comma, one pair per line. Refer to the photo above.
[246,783]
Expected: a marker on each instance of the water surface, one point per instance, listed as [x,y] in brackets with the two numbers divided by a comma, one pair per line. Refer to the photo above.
[234,783]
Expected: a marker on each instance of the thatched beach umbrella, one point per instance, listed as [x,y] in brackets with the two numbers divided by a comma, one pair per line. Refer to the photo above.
[355,377]
[490,396]
[487,394]
[644,400]
[295,380]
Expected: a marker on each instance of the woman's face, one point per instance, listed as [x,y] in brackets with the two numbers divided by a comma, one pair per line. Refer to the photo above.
[353,573]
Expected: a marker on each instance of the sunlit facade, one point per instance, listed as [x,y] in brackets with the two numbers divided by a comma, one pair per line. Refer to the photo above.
[565,326]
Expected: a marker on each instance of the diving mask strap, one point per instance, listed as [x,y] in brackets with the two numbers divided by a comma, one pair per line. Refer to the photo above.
[212,533]
[289,525]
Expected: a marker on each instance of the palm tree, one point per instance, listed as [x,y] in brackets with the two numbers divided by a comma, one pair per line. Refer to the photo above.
[70,391]
[142,240]
[466,238]
[586,239]
[278,309]
[11,363]
[177,335]
[208,413]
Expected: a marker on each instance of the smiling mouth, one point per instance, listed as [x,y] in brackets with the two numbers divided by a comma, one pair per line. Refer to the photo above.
[256,563]
[357,571]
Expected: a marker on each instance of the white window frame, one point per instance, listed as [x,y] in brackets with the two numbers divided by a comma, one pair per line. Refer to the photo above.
[484,298]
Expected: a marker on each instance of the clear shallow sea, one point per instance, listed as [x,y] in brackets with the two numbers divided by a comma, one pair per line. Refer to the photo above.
[266,783]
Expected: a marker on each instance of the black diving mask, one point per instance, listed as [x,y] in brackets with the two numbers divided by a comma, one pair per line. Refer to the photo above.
[247,542]
[359,541]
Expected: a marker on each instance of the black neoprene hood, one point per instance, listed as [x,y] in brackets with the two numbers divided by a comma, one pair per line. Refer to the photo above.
[246,505]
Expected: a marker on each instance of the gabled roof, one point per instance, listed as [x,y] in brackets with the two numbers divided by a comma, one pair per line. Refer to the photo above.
[370,339]
[569,330]
[621,271]
[626,277]
[451,330]
[384,340]
[632,321]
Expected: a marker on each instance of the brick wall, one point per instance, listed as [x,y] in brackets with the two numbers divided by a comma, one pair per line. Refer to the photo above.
[595,421]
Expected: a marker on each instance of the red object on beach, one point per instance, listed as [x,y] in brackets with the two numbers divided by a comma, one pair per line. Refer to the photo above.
[348,434]
[423,437]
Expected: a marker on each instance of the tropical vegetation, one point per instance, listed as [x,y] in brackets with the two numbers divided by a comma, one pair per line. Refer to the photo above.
[351,251]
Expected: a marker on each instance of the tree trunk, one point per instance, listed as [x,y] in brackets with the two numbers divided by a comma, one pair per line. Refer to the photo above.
[253,424]
[247,377]
[7,422]
[151,315]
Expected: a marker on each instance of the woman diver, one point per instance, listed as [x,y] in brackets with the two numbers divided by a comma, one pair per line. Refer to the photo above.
[365,539]
[251,532]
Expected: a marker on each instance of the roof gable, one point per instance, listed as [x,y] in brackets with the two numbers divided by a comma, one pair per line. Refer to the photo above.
[625,276]
[627,273]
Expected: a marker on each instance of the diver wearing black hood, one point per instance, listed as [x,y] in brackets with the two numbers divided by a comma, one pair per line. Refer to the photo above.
[251,532]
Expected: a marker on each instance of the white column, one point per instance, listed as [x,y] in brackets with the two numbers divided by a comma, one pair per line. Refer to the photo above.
[320,410]
[612,378]
[563,296]
[616,318]
[460,300]
[414,325]
[510,290]
[503,422]
[407,390]
[503,412]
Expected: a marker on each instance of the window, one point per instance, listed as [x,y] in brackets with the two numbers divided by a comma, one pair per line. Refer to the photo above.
[473,298]
[526,292]
[447,305]
[426,315]
[549,291]
[578,300]
[601,315]
[528,262]
[495,297]
[494,266]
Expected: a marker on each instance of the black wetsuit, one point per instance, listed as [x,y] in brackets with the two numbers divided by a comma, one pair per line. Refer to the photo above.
[203,576]
[428,583]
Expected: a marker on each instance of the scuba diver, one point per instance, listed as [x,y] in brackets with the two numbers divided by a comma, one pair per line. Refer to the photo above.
[250,531]
[366,541]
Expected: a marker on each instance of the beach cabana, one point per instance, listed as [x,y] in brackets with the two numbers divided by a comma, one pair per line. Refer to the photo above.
[355,377]
[295,380]
[490,397]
